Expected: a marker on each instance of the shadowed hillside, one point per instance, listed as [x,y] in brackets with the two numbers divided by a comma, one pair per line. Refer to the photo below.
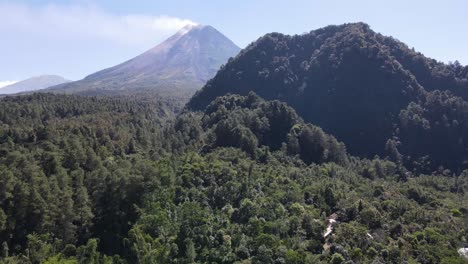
[347,79]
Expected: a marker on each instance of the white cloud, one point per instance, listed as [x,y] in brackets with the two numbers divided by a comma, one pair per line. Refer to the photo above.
[87,22]
[74,40]
[6,83]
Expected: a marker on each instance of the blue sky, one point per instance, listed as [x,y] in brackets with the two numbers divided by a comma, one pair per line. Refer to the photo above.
[74,38]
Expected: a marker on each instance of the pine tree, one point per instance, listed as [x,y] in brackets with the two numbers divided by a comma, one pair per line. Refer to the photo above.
[82,205]
[5,249]
[190,252]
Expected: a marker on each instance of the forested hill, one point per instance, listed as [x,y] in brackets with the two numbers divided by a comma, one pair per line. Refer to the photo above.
[355,84]
[255,126]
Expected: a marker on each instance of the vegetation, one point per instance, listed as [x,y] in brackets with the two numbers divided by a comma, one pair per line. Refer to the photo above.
[99,180]
[435,132]
[358,85]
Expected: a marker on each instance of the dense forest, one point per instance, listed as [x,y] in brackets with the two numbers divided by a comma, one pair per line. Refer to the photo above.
[370,91]
[120,180]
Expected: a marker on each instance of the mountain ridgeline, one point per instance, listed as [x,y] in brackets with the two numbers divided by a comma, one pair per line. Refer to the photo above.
[33,84]
[359,86]
[183,62]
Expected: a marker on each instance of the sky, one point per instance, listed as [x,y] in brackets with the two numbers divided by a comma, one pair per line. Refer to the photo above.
[74,38]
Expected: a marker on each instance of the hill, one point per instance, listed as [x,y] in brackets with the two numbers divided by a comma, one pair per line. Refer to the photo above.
[33,84]
[347,79]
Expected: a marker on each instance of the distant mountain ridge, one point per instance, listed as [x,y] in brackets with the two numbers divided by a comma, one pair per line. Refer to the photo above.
[33,84]
[184,61]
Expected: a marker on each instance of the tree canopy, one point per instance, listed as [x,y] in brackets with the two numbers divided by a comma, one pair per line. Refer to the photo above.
[102,180]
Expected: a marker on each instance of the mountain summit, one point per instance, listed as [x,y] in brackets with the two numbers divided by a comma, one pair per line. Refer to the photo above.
[186,61]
